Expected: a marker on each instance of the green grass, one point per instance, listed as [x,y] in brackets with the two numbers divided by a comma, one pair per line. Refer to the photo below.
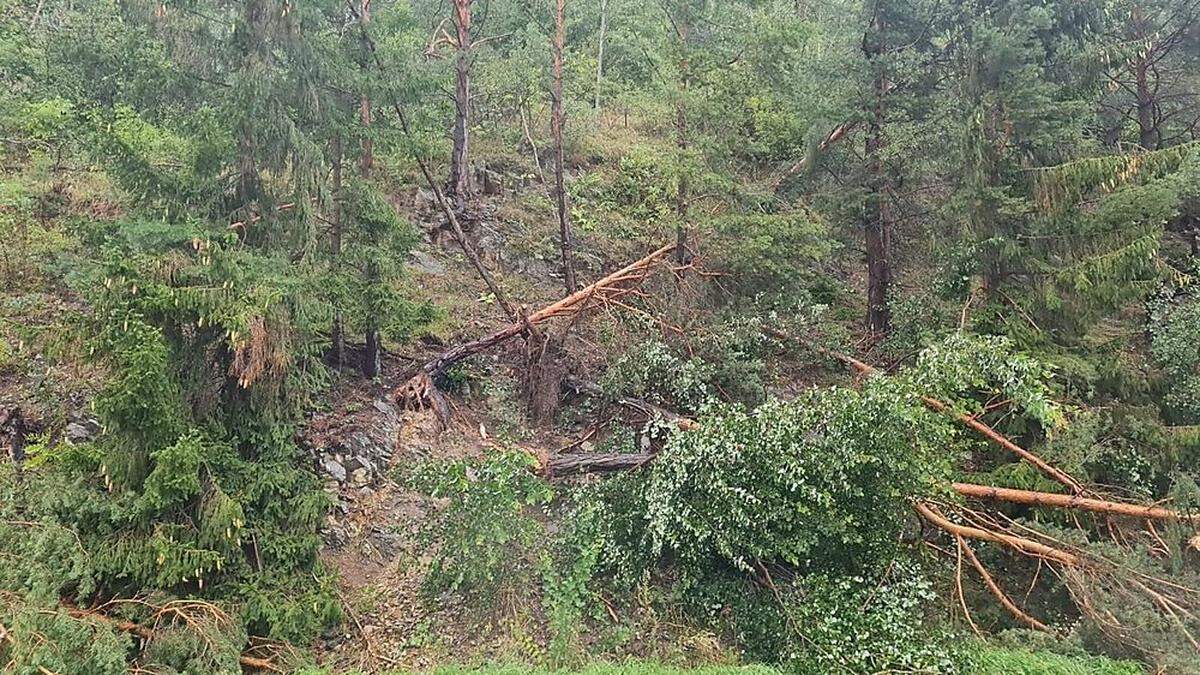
[989,660]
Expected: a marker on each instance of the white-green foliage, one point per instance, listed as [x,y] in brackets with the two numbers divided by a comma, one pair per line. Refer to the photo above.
[821,481]
[856,624]
[482,527]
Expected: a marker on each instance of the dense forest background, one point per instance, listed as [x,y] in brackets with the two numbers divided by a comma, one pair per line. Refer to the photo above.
[386,335]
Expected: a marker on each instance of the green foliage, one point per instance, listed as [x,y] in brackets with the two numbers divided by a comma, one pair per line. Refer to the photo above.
[773,254]
[655,373]
[1174,324]
[818,482]
[865,625]
[483,523]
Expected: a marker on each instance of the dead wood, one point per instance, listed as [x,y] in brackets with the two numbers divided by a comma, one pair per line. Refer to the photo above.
[594,462]
[148,634]
[999,594]
[1050,499]
[1020,544]
[609,287]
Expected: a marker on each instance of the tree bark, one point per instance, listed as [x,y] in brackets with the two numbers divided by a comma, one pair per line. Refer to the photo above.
[372,363]
[682,24]
[459,186]
[1052,500]
[1020,544]
[1149,136]
[568,305]
[600,51]
[877,215]
[338,330]
[557,119]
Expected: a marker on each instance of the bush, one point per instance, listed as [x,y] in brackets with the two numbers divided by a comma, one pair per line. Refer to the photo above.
[481,529]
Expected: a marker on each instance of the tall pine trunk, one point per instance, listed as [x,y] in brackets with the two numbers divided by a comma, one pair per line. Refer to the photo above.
[338,332]
[600,51]
[556,126]
[682,28]
[877,213]
[459,185]
[372,363]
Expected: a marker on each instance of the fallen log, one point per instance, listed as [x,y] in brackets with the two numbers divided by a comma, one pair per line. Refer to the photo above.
[1052,500]
[595,462]
[607,287]
[940,406]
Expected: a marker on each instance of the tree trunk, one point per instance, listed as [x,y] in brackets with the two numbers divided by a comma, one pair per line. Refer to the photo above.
[568,306]
[682,28]
[338,332]
[372,363]
[556,126]
[600,51]
[459,186]
[877,215]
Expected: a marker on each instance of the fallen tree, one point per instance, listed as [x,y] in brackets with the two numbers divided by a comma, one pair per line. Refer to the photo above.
[968,421]
[1050,499]
[417,389]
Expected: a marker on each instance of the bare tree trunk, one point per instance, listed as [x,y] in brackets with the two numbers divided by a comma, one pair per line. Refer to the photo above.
[877,216]
[372,363]
[459,186]
[682,28]
[600,51]
[556,126]
[338,332]
[1149,136]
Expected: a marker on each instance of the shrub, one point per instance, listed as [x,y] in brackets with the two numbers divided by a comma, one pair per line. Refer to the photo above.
[481,529]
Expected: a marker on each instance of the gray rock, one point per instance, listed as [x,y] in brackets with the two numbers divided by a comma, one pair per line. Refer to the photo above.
[78,433]
[385,407]
[335,469]
[423,263]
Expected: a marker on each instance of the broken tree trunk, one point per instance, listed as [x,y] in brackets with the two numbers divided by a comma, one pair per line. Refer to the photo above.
[594,462]
[609,286]
[1050,499]
[943,407]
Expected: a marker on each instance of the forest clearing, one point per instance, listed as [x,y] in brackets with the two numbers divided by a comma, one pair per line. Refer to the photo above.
[684,337]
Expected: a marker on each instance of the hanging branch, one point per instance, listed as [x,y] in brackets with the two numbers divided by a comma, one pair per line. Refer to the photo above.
[447,211]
